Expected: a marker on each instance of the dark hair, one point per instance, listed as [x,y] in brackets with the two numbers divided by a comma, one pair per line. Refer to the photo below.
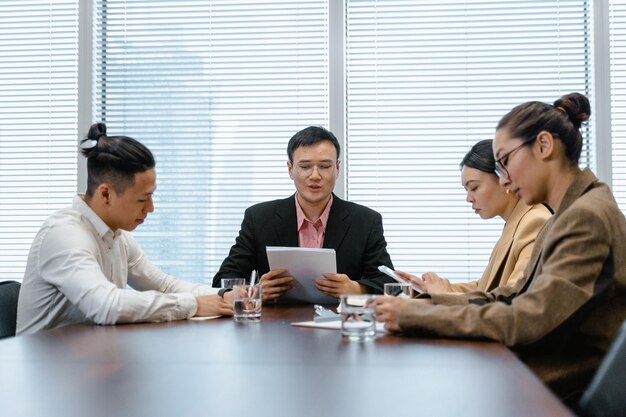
[310,136]
[480,157]
[115,159]
[563,119]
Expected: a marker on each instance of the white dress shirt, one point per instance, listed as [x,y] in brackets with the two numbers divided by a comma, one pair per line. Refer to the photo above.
[77,271]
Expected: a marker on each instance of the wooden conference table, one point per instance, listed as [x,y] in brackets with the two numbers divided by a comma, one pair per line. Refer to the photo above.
[223,368]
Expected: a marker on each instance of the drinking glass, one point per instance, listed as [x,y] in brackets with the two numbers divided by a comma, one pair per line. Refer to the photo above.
[247,303]
[358,322]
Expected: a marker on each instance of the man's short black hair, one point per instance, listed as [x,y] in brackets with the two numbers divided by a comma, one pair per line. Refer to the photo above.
[310,136]
[114,159]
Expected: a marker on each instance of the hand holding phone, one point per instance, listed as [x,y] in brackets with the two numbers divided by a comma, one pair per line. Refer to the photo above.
[390,272]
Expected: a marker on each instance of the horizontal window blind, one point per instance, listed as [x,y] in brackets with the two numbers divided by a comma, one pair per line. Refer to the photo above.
[428,79]
[38,121]
[215,89]
[617,53]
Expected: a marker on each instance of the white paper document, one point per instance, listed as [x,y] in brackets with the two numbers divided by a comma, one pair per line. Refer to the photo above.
[203,318]
[333,325]
[306,265]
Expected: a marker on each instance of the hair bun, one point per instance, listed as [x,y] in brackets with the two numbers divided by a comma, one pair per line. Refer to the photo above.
[576,106]
[96,131]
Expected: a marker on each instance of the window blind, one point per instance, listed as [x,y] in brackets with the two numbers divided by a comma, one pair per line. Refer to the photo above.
[617,53]
[215,89]
[38,118]
[428,79]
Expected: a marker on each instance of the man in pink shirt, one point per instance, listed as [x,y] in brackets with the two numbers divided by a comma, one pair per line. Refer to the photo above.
[313,217]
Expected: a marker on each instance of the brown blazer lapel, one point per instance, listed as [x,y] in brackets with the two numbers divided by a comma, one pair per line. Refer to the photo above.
[581,183]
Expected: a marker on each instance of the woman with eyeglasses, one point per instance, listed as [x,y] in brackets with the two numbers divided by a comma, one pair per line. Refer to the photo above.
[488,199]
[561,315]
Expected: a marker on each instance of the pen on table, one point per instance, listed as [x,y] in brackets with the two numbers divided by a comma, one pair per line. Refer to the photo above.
[253,275]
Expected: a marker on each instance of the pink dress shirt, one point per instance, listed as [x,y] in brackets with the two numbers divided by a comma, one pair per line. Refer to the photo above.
[311,234]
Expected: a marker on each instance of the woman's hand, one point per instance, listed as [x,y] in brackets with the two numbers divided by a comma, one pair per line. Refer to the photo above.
[434,283]
[412,279]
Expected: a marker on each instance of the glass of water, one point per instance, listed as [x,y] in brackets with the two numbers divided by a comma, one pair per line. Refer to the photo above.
[247,303]
[397,289]
[231,282]
[358,322]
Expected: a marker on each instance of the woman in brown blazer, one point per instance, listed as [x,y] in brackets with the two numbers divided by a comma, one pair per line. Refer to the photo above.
[512,251]
[561,316]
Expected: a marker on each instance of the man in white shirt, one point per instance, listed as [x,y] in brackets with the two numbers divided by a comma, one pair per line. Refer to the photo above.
[83,256]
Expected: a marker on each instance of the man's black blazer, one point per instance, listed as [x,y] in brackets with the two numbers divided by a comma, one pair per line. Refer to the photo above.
[354,231]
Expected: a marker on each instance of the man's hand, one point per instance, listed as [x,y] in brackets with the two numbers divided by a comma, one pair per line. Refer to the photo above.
[337,284]
[229,297]
[275,283]
[213,305]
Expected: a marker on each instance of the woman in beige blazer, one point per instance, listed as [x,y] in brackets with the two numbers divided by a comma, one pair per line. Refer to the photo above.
[512,251]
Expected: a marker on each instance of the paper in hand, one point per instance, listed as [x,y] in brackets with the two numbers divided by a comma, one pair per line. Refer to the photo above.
[306,265]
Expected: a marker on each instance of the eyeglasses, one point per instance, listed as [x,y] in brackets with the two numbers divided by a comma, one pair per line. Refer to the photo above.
[503,161]
[306,169]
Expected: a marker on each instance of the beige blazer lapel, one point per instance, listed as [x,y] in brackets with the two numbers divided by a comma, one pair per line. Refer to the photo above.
[497,259]
[501,251]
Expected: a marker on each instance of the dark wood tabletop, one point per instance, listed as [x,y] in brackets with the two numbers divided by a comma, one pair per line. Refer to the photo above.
[222,368]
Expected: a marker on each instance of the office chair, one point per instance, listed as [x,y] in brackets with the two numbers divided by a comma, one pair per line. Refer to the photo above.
[606,394]
[9,291]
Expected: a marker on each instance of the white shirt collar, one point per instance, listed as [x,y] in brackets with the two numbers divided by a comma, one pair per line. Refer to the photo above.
[83,208]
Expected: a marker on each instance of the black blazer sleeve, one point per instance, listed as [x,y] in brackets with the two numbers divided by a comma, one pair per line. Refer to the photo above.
[374,256]
[241,259]
[356,233]
[271,223]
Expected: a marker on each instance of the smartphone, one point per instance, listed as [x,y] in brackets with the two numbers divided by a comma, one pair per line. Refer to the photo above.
[390,272]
